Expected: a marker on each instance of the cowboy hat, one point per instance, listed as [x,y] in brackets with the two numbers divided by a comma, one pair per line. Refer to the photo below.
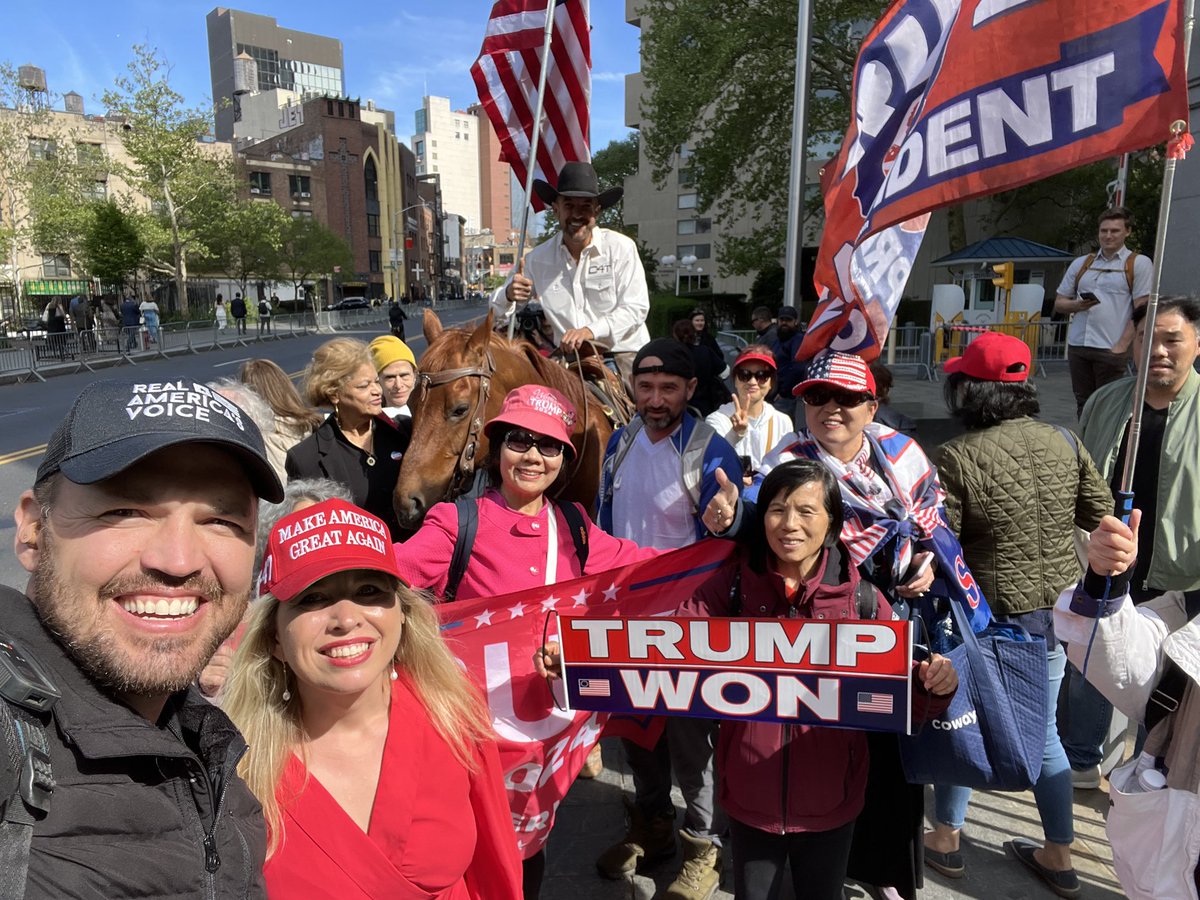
[577,179]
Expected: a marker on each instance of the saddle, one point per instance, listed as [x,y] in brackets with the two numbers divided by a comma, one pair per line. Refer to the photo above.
[600,381]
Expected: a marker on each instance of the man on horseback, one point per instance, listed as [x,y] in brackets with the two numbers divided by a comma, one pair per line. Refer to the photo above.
[590,281]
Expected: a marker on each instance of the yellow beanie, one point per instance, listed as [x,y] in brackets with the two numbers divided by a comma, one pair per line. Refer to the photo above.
[388,349]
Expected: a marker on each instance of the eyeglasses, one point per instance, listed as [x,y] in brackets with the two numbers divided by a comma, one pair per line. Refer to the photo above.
[762,376]
[521,441]
[819,396]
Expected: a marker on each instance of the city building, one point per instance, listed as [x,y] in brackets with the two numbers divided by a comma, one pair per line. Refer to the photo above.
[667,218]
[446,143]
[32,272]
[495,178]
[354,177]
[249,53]
[488,259]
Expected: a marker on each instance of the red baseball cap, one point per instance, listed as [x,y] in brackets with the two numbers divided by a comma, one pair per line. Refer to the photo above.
[333,536]
[542,410]
[993,356]
[842,370]
[749,355]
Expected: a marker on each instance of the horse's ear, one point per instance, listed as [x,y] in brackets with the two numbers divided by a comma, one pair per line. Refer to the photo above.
[432,326]
[482,335]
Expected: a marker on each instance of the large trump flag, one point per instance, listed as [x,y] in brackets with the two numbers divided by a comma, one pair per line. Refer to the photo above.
[954,99]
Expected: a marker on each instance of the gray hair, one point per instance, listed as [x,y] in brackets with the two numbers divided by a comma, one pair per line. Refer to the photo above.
[315,490]
[248,400]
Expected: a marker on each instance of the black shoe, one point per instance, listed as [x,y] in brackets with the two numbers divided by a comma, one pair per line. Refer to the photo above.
[1065,883]
[948,864]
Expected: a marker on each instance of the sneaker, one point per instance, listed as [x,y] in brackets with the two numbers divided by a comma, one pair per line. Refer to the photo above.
[647,841]
[1085,779]
[700,875]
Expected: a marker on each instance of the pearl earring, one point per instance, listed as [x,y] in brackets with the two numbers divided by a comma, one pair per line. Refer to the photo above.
[287,694]
[394,675]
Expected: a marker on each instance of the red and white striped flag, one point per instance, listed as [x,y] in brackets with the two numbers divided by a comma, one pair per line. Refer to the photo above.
[506,76]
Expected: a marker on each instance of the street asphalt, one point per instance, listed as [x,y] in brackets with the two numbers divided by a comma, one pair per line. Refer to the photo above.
[591,817]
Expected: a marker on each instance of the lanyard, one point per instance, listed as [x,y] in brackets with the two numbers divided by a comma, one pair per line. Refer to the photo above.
[551,544]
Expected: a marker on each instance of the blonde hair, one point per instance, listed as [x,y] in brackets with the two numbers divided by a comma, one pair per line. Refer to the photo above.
[332,364]
[274,729]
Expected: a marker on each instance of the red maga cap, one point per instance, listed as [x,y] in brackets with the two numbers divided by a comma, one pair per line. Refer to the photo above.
[993,357]
[333,536]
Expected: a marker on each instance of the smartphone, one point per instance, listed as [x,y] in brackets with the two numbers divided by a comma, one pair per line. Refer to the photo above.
[1089,297]
[920,569]
[747,465]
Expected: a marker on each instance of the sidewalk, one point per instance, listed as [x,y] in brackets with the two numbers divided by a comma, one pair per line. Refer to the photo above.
[592,817]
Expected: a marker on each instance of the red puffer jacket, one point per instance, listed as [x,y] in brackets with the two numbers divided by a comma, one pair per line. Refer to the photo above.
[783,778]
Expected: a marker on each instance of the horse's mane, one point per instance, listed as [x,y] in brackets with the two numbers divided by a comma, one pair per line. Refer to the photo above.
[450,345]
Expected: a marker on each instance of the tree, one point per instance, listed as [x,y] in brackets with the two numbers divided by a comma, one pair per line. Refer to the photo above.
[112,249]
[308,248]
[613,164]
[43,201]
[718,75]
[246,242]
[188,185]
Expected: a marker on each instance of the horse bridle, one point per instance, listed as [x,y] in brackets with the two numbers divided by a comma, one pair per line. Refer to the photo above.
[464,468]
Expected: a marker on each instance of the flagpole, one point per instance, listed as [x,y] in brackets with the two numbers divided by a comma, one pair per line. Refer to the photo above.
[533,146]
[795,226]
[1178,131]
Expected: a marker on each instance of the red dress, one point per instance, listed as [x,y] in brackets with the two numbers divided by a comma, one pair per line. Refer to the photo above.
[437,831]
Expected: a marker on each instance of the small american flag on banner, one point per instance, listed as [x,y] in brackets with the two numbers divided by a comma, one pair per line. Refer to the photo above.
[874,703]
[506,76]
[594,687]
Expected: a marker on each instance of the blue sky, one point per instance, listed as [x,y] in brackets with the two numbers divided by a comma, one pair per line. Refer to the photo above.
[393,51]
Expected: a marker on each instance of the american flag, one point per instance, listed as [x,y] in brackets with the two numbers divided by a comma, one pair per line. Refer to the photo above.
[594,687]
[874,703]
[843,369]
[506,77]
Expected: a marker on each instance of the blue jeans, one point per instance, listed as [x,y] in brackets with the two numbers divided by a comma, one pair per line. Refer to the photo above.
[1053,791]
[1085,717]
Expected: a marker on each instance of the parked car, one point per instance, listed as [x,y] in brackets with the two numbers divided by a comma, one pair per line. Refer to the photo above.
[351,303]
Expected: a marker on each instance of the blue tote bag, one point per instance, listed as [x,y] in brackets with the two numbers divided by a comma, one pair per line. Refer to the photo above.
[993,735]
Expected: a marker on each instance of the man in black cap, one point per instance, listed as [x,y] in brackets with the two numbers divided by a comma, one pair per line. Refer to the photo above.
[138,535]
[788,337]
[660,473]
[590,281]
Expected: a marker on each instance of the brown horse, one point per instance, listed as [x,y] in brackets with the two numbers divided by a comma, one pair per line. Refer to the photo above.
[462,380]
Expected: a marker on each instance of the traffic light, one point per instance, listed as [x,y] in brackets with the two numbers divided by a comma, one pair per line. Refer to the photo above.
[1004,276]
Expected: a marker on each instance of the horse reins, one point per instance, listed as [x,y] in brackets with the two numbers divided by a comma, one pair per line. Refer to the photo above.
[464,468]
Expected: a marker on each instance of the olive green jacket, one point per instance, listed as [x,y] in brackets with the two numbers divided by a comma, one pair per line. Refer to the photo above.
[1176,562]
[1014,494]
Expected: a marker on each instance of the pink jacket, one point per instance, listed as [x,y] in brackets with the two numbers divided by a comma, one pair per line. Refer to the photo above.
[509,552]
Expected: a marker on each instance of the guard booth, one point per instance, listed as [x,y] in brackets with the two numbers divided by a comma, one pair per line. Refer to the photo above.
[996,284]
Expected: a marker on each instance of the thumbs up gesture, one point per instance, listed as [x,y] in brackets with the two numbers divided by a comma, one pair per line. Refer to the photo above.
[722,509]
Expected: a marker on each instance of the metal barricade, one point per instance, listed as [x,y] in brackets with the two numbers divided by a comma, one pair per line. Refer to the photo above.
[1047,339]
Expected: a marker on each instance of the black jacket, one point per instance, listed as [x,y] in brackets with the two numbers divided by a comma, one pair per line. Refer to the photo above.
[237,307]
[327,454]
[140,809]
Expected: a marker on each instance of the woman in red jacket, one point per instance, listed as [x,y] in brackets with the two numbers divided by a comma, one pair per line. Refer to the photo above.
[371,753]
[792,792]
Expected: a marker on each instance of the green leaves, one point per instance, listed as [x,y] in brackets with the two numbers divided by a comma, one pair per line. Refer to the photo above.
[720,77]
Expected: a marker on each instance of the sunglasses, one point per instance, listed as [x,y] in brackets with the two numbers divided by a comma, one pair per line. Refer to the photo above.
[521,441]
[762,376]
[819,396]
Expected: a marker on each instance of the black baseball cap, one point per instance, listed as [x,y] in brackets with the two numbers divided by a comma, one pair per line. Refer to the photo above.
[675,359]
[788,312]
[114,424]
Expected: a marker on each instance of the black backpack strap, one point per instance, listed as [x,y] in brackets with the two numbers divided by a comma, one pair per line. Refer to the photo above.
[26,777]
[468,524]
[578,526]
[866,598]
[1070,438]
[1170,689]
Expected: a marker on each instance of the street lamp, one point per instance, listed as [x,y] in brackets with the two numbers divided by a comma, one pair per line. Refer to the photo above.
[687,264]
[398,263]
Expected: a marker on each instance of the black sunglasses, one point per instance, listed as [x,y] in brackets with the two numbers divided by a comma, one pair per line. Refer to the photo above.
[762,376]
[819,396]
[521,441]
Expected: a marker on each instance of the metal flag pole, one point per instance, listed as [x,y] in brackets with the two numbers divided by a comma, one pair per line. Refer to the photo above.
[795,226]
[1096,584]
[533,148]
[1179,133]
